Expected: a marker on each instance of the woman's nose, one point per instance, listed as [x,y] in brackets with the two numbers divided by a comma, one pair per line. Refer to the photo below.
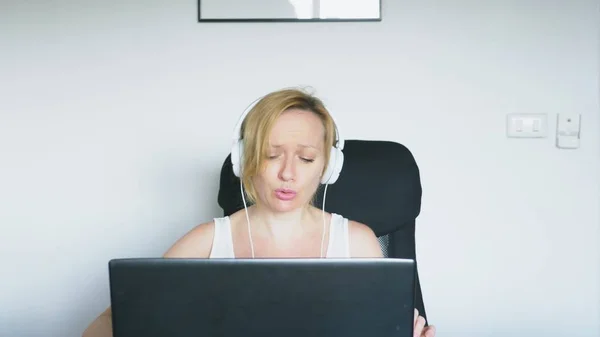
[288,169]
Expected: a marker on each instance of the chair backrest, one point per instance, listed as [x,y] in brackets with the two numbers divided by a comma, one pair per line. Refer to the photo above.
[379,186]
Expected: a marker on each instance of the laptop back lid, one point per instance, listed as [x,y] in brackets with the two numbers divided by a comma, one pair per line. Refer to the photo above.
[262,297]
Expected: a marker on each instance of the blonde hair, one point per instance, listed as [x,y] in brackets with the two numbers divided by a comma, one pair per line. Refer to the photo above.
[257,126]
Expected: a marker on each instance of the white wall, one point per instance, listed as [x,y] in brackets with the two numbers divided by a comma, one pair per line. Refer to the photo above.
[115,117]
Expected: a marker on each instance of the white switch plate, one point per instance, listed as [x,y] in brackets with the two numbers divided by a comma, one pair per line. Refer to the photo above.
[527,125]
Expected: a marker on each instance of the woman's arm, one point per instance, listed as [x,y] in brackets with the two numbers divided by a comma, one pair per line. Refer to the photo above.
[364,243]
[197,243]
[101,326]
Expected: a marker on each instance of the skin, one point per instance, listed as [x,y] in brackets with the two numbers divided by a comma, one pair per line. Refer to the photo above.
[280,228]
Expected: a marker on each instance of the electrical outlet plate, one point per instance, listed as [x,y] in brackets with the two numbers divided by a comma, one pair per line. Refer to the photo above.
[568,129]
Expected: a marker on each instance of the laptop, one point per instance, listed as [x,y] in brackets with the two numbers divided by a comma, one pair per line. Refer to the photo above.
[160,297]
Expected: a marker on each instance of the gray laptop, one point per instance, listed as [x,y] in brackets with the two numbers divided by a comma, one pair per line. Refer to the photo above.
[262,297]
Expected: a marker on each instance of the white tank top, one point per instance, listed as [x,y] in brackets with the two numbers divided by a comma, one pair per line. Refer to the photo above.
[338,247]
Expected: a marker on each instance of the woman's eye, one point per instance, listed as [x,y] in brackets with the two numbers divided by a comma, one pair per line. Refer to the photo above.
[307,160]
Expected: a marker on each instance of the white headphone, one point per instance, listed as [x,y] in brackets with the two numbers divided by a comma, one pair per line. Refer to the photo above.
[336,157]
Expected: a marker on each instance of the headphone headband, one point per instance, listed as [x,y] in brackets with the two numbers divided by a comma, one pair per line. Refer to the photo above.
[339,140]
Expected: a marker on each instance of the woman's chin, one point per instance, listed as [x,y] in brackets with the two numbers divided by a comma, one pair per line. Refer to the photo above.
[282,206]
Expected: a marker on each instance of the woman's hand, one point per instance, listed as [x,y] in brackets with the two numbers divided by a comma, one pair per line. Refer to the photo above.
[420,330]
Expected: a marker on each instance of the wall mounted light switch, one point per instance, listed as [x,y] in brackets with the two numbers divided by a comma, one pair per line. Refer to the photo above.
[527,125]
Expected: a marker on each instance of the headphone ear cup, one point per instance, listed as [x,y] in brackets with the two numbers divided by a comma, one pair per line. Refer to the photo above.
[237,157]
[334,167]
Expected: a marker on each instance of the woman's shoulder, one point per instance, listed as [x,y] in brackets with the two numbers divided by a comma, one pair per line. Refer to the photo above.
[354,227]
[196,243]
[363,241]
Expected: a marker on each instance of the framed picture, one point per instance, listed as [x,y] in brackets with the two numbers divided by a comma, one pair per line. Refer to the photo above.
[288,10]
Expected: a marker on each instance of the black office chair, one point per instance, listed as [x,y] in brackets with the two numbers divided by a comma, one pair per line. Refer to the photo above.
[379,186]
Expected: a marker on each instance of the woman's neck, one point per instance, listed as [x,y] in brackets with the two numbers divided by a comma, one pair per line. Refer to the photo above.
[281,226]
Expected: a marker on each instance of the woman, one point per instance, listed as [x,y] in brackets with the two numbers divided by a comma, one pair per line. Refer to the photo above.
[285,149]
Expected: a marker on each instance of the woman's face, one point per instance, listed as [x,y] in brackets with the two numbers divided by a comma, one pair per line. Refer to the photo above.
[295,161]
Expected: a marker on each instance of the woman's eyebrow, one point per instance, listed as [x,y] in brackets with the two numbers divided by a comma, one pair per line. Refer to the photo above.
[299,145]
[307,145]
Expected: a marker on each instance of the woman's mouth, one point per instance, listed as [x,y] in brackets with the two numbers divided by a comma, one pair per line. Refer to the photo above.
[285,194]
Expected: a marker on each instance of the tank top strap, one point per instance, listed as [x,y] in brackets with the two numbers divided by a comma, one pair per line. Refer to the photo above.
[339,241]
[222,245]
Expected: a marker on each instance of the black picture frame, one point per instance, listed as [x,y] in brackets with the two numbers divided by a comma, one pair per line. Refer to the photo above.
[313,20]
